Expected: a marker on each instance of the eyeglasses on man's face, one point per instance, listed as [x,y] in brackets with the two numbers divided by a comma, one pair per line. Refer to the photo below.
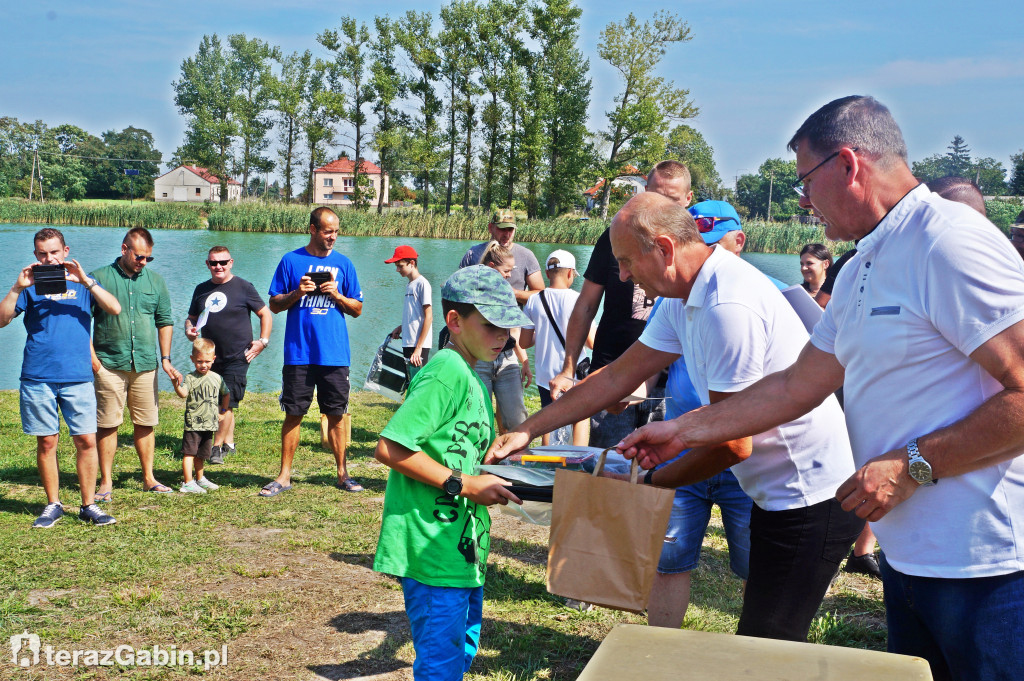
[799,186]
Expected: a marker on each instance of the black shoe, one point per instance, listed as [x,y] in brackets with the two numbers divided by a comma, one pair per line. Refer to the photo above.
[864,565]
[93,514]
[216,455]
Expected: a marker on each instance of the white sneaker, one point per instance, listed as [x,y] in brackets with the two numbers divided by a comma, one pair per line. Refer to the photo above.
[206,484]
[192,488]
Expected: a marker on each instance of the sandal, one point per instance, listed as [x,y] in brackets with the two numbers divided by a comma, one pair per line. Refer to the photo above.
[349,485]
[103,497]
[273,488]
[160,488]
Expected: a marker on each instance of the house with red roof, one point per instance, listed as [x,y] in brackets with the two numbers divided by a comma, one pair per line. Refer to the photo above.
[193,184]
[334,183]
[631,178]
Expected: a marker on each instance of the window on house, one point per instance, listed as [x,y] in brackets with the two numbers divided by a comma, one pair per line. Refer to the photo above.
[328,197]
[349,183]
[165,195]
[328,182]
[198,191]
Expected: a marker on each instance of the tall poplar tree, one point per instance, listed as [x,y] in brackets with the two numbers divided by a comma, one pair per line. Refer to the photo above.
[416,38]
[205,95]
[350,73]
[253,101]
[390,87]
[290,88]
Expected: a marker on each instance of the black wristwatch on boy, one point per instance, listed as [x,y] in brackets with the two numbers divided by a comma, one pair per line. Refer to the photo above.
[453,485]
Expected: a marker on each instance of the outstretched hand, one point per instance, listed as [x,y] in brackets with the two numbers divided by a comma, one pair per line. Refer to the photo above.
[505,445]
[653,444]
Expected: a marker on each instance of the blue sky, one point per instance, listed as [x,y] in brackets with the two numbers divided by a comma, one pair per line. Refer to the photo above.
[756,69]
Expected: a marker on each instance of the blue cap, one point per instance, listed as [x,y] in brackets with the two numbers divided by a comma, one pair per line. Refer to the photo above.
[717,209]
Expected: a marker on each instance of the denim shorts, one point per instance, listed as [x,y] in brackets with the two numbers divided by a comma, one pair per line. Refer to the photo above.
[445,623]
[691,512]
[40,402]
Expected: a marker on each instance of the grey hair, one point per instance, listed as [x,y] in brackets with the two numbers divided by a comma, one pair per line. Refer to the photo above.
[854,121]
[651,219]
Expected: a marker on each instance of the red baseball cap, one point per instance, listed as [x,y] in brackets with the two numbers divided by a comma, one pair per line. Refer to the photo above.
[403,253]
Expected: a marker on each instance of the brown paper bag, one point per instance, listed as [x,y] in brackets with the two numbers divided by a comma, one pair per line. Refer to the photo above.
[606,538]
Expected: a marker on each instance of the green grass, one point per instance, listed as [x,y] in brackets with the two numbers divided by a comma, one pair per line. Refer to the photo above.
[286,583]
[103,214]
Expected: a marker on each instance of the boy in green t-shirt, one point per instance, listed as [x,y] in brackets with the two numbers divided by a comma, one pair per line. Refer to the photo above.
[435,534]
[206,396]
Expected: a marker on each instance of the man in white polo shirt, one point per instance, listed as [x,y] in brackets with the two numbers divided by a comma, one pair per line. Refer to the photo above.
[732,327]
[924,333]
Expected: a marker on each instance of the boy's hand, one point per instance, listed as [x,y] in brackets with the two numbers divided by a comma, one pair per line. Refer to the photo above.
[525,374]
[487,490]
[397,333]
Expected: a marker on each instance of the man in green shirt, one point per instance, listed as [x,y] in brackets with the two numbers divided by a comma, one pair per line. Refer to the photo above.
[125,359]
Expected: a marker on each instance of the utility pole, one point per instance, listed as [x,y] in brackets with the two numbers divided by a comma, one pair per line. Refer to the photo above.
[771,183]
[32,181]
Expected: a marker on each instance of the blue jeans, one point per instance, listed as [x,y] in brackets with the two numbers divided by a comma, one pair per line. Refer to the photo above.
[502,378]
[445,623]
[691,512]
[966,628]
[607,430]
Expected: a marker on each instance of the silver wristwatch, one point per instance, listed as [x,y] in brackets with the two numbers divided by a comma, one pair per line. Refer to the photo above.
[920,470]
[265,341]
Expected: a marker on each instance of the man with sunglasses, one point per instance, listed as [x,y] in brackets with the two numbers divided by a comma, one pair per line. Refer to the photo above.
[221,310]
[125,356]
[925,333]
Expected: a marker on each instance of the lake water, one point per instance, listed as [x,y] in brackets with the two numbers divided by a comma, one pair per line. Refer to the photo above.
[179,258]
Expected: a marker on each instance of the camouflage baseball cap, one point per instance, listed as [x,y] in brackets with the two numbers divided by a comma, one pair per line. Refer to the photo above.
[503,219]
[492,296]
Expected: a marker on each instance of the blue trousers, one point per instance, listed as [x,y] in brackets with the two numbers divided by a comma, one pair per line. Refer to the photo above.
[445,623]
[967,629]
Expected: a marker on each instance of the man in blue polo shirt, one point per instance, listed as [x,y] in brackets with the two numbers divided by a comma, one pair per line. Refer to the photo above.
[56,374]
[318,287]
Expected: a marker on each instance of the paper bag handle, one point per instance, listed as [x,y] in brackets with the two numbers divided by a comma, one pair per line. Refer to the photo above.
[634,467]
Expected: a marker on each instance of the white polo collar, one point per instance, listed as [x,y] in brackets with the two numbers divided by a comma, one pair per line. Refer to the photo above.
[703,279]
[893,219]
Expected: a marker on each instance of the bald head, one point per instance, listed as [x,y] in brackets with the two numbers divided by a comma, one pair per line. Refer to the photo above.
[649,215]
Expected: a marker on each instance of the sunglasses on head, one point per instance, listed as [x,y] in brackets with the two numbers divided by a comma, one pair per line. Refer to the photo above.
[222,263]
[140,258]
[706,224]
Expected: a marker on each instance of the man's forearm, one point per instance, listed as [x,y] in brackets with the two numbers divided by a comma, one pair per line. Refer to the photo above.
[576,335]
[7,306]
[164,335]
[991,434]
[349,306]
[701,463]
[283,301]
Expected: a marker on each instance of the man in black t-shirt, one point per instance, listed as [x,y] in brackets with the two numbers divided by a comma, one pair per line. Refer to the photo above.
[221,310]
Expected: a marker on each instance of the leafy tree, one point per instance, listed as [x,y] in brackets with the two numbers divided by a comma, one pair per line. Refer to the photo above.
[931,168]
[1017,174]
[64,176]
[290,89]
[322,110]
[769,192]
[687,145]
[421,46]
[989,175]
[390,87]
[647,103]
[458,46]
[107,178]
[561,95]
[250,63]
[351,44]
[205,94]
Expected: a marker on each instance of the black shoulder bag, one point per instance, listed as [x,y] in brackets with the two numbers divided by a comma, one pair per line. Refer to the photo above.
[582,366]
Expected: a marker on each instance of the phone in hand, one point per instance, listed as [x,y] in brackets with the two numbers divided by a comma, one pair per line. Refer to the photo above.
[319,278]
[49,279]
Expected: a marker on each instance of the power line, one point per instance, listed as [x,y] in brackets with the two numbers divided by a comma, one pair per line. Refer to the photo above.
[100,158]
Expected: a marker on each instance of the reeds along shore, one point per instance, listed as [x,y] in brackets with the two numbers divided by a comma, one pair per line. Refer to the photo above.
[762,237]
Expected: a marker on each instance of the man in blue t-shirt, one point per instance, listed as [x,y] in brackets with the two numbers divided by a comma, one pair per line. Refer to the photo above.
[317,287]
[56,373]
